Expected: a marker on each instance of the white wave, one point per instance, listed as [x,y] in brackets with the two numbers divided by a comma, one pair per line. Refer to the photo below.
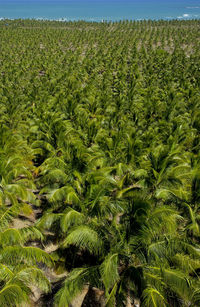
[188,16]
[62,19]
[192,7]
[184,16]
[6,18]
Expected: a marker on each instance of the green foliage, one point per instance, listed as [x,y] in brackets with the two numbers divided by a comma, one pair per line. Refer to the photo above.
[99,152]
[73,285]
[71,217]
[86,238]
[153,297]
[109,271]
[12,295]
[30,255]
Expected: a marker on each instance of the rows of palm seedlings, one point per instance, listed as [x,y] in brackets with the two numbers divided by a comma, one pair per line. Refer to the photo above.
[99,163]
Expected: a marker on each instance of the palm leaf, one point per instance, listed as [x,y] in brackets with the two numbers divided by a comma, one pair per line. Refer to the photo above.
[153,298]
[71,217]
[29,255]
[109,271]
[12,295]
[48,219]
[178,283]
[72,286]
[86,238]
[11,236]
[18,190]
[32,276]
[125,192]
[6,216]
[186,263]
[31,233]
[65,193]
[5,273]
[196,297]
[111,300]
[56,175]
[176,280]
[58,194]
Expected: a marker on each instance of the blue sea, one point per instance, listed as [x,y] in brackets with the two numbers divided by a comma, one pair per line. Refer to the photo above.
[99,10]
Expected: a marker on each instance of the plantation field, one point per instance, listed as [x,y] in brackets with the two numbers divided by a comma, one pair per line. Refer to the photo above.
[99,163]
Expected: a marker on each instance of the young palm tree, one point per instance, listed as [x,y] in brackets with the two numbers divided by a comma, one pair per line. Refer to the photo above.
[18,263]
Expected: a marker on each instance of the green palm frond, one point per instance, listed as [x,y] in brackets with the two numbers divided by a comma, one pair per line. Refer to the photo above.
[55,175]
[72,286]
[165,217]
[11,197]
[26,209]
[53,163]
[126,191]
[6,216]
[12,295]
[154,280]
[102,176]
[31,233]
[18,190]
[193,225]
[85,238]
[169,247]
[11,236]
[29,255]
[43,145]
[72,197]
[111,299]
[32,276]
[186,263]
[58,194]
[178,282]
[161,250]
[47,220]
[191,249]
[5,273]
[196,297]
[71,217]
[109,271]
[2,197]
[168,194]
[153,298]
[175,280]
[66,194]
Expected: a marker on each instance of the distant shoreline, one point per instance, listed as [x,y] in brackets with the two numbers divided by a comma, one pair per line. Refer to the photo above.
[98,10]
[97,21]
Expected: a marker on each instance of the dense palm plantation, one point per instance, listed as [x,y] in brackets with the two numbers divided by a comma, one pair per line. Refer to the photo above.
[99,133]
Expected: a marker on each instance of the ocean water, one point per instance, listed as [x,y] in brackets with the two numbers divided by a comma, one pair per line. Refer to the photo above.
[98,10]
